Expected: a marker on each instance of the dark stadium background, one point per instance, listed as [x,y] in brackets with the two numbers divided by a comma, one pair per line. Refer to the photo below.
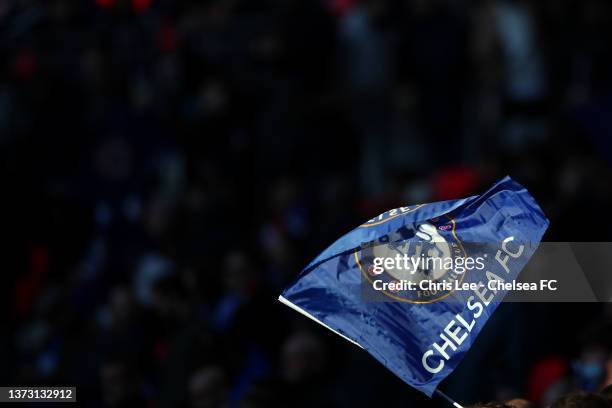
[167,167]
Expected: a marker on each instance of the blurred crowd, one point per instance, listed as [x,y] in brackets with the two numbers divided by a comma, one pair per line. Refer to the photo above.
[173,165]
[577,399]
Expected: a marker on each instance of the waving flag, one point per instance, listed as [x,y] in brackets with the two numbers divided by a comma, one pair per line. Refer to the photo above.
[422,332]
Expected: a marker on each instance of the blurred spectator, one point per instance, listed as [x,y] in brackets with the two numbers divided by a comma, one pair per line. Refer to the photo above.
[173,165]
[519,403]
[120,385]
[208,388]
[581,400]
[606,392]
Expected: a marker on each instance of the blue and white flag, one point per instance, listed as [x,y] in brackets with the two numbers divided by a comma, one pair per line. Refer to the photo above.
[420,320]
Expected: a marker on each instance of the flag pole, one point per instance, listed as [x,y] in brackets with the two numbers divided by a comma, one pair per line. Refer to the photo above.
[449,399]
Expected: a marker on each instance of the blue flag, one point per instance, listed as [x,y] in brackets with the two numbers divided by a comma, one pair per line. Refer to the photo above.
[415,285]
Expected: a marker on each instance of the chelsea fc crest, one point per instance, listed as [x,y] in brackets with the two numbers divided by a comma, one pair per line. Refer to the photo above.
[413,264]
